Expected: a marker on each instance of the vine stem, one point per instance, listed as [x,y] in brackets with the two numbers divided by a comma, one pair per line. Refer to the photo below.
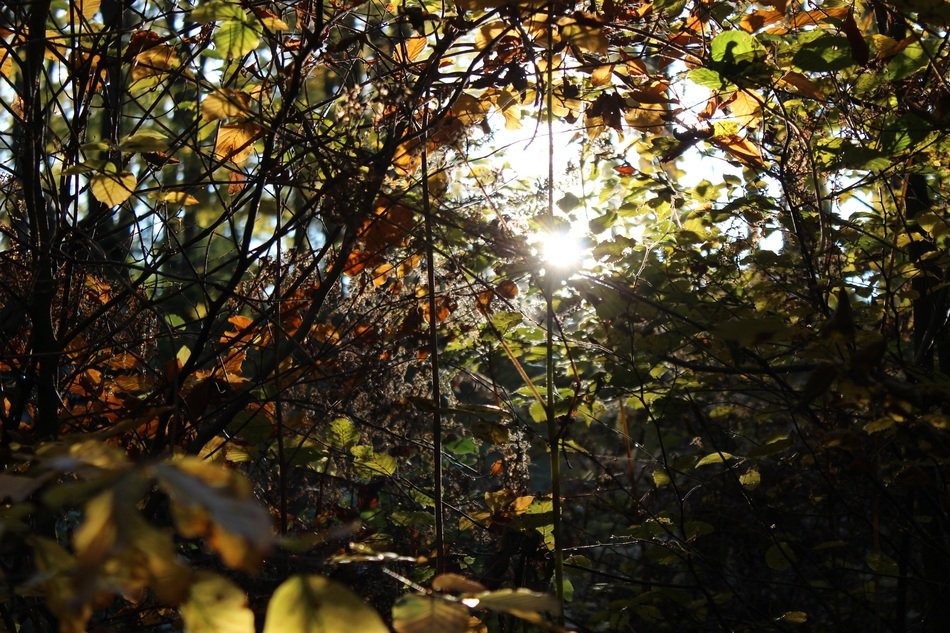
[437,501]
[553,439]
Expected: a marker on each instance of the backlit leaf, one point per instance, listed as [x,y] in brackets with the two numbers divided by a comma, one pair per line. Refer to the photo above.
[235,38]
[223,104]
[314,604]
[424,614]
[714,458]
[112,189]
[216,605]
[235,141]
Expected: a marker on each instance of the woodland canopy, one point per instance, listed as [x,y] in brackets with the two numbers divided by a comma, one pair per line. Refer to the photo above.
[484,315]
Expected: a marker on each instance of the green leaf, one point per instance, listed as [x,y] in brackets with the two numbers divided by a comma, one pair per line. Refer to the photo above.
[822,52]
[217,10]
[369,463]
[568,202]
[750,480]
[779,557]
[736,48]
[216,605]
[235,38]
[504,321]
[904,133]
[342,434]
[907,62]
[422,614]
[314,604]
[709,78]
[144,141]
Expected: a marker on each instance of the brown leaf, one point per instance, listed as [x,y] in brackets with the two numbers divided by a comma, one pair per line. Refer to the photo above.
[507,289]
[860,51]
[456,583]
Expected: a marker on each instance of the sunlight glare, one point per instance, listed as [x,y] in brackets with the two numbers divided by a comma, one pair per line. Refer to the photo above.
[560,250]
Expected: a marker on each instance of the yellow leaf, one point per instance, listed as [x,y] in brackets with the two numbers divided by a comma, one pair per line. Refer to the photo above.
[469,109]
[660,478]
[602,75]
[179,197]
[87,8]
[223,104]
[214,502]
[314,604]
[746,107]
[649,116]
[751,479]
[216,605]
[235,141]
[795,617]
[381,274]
[154,61]
[587,35]
[713,458]
[455,583]
[521,504]
[112,189]
[409,50]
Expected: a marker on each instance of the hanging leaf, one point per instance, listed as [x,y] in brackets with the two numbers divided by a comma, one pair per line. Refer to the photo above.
[235,141]
[235,38]
[424,614]
[802,85]
[112,189]
[313,604]
[223,104]
[216,605]
[179,198]
[154,61]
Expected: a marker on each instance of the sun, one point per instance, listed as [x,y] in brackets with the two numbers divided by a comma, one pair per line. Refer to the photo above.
[561,250]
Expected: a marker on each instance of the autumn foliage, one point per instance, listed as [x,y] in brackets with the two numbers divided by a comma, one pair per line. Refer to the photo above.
[280,348]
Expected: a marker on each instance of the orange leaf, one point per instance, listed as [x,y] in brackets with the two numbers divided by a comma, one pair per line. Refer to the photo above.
[409,50]
[740,148]
[802,85]
[760,18]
